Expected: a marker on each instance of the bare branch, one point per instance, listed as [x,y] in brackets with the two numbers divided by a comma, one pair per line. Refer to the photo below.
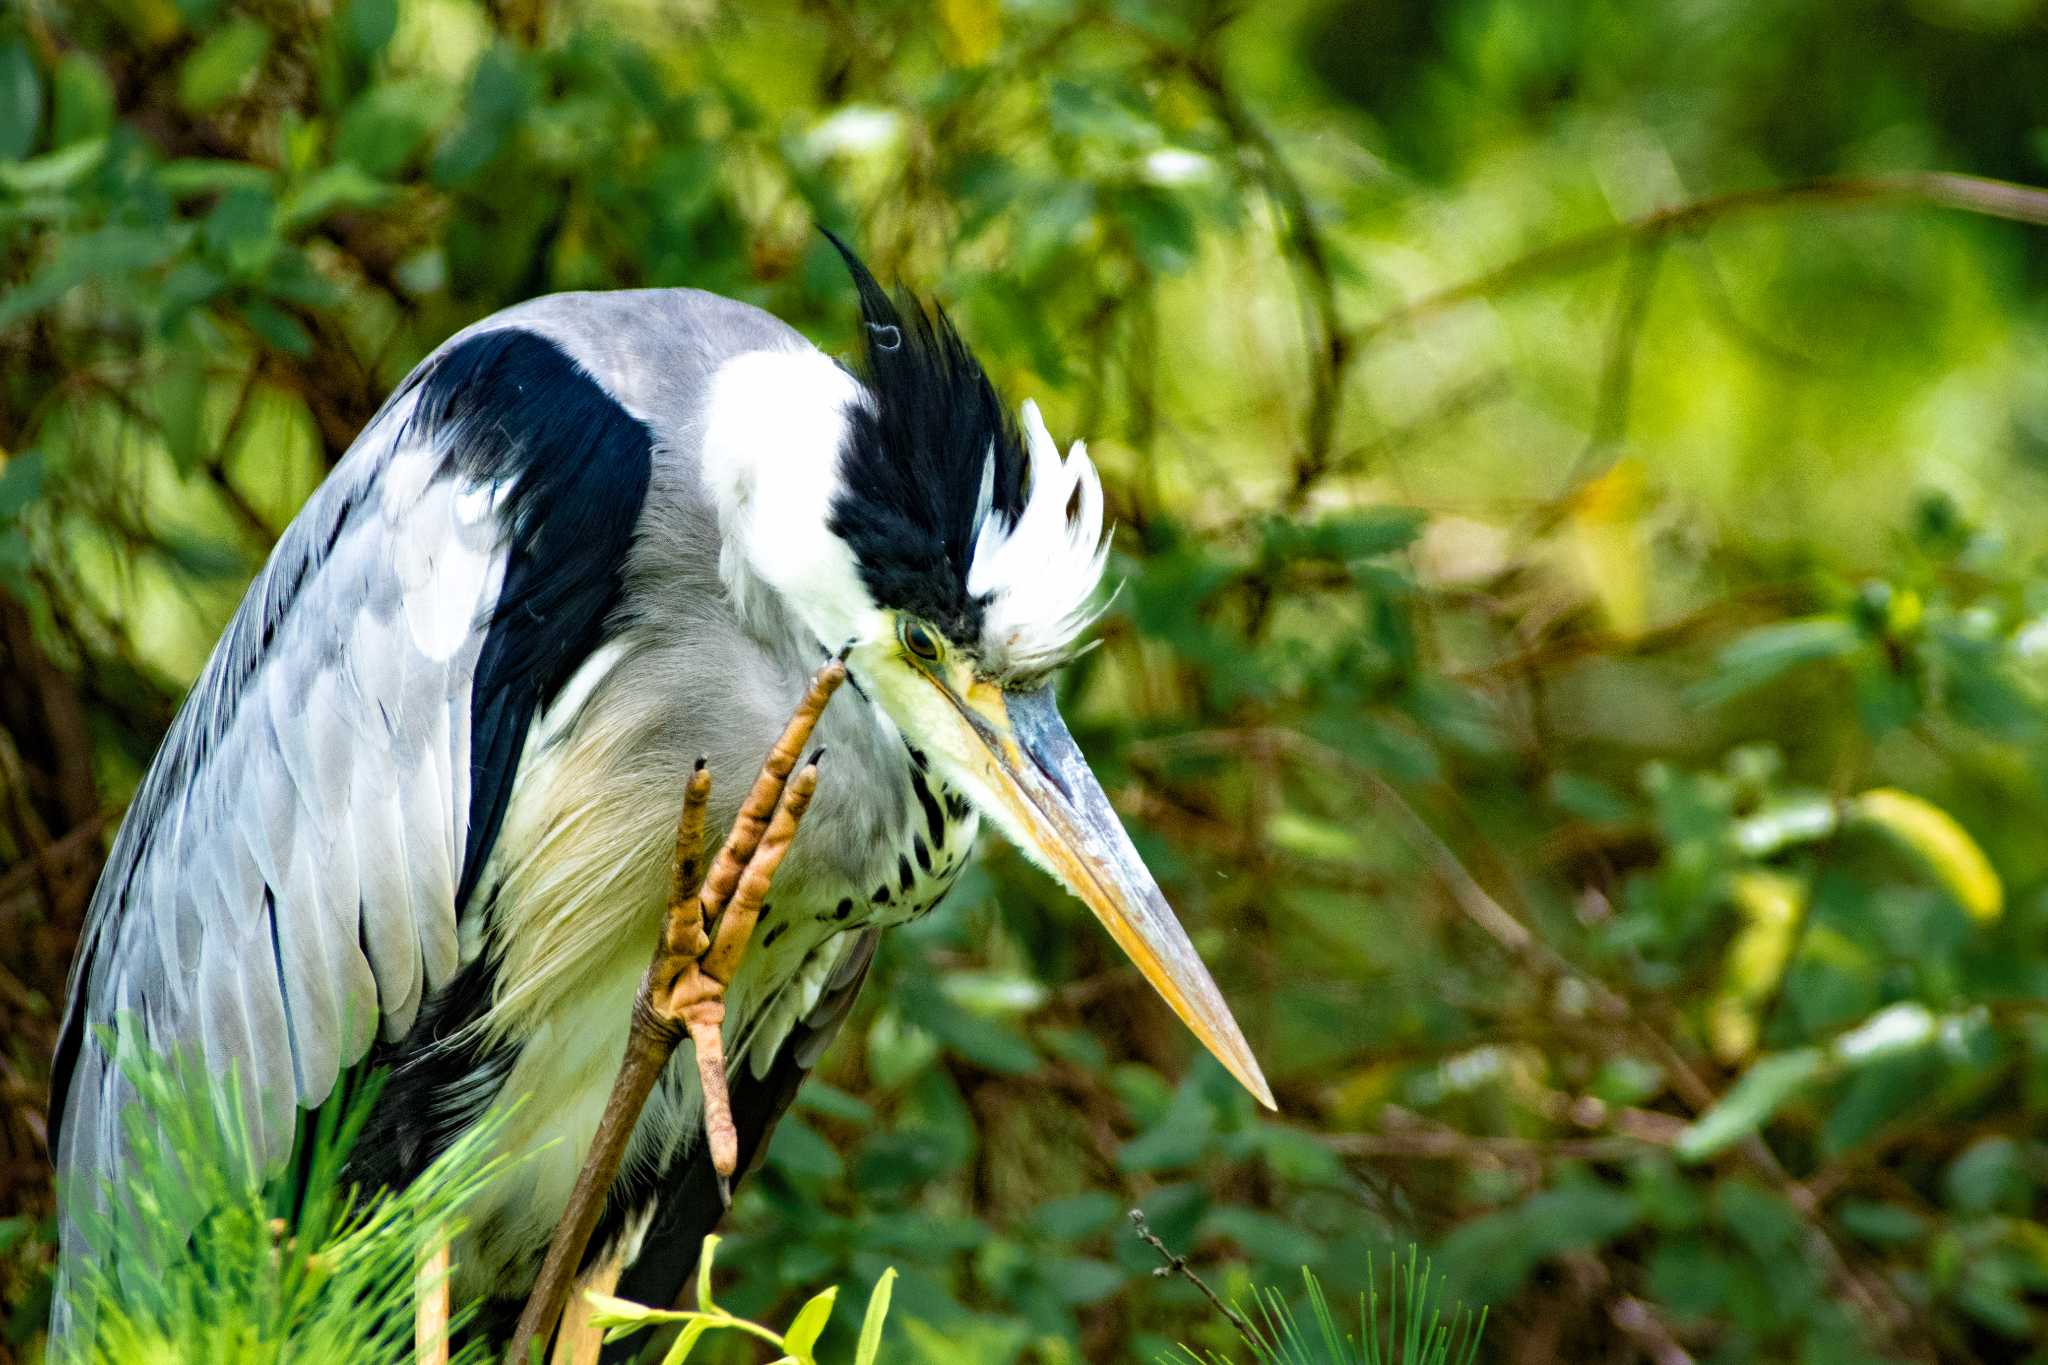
[1177,1264]
[1937,189]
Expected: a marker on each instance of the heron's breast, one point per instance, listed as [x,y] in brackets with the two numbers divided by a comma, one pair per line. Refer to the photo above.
[905,876]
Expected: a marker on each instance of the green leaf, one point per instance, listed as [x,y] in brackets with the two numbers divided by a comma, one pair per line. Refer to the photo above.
[1589,799]
[241,233]
[53,171]
[1276,1241]
[1763,655]
[823,1097]
[21,101]
[1297,1156]
[190,284]
[332,190]
[798,1151]
[608,1310]
[983,1341]
[1692,1276]
[704,1259]
[1886,1089]
[222,66]
[1161,228]
[499,93]
[1763,1219]
[1760,1093]
[1989,1176]
[1078,1046]
[686,1341]
[1883,1223]
[277,327]
[1363,534]
[1075,1217]
[1081,1280]
[994,994]
[870,1348]
[178,398]
[986,1042]
[1491,1256]
[101,255]
[82,100]
[21,481]
[189,177]
[801,1340]
[367,25]
[16,554]
[389,123]
[1169,1145]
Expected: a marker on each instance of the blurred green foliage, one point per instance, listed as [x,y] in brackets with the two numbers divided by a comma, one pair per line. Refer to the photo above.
[1591,718]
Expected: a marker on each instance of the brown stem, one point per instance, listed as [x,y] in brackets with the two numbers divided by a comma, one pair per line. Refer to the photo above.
[1177,1264]
[1331,349]
[650,1041]
[1939,189]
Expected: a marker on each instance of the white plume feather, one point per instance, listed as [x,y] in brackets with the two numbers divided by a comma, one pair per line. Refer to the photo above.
[1040,572]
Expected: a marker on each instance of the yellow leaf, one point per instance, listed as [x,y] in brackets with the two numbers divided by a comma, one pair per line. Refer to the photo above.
[1945,846]
[1313,838]
[1768,897]
[2032,1239]
[1732,1029]
[1606,544]
[1357,1095]
[971,29]
[1773,903]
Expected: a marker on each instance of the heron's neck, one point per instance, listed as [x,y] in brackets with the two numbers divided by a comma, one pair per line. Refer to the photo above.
[775,426]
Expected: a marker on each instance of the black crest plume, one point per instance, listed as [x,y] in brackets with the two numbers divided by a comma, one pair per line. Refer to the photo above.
[911,471]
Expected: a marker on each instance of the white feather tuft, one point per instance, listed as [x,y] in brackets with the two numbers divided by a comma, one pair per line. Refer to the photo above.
[1040,573]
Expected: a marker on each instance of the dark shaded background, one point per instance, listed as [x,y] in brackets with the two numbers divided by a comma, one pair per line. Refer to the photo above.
[1589,704]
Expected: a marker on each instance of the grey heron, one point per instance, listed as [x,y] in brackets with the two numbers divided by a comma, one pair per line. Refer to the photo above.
[417,811]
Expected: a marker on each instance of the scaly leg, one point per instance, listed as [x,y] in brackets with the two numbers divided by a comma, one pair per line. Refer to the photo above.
[704,935]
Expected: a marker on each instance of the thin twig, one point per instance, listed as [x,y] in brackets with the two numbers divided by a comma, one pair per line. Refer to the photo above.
[1177,1264]
[1721,304]
[1618,366]
[1938,189]
[1331,348]
[1640,1324]
[216,464]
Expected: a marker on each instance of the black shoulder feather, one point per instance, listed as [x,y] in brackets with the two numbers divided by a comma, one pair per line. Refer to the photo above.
[511,406]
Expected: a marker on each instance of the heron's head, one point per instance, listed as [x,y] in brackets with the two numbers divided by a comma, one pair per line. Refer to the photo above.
[895,507]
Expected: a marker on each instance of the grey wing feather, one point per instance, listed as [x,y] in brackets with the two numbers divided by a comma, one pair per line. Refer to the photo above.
[283,887]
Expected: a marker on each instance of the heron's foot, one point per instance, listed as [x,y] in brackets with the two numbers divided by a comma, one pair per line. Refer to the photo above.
[711,914]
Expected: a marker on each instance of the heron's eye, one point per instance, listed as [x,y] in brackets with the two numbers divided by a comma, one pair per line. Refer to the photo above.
[919,640]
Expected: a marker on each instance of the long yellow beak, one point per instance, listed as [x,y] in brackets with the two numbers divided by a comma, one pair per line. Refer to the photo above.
[1040,790]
